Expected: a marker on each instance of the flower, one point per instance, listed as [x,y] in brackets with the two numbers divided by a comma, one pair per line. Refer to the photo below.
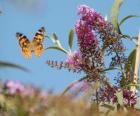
[89,47]
[108,95]
[14,87]
[91,16]
[129,97]
[104,29]
[74,60]
[92,28]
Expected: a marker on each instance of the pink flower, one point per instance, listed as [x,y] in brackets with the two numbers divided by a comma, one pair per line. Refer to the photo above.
[74,60]
[89,47]
[14,87]
[97,22]
[108,95]
[129,97]
[28,91]
[85,33]
[91,16]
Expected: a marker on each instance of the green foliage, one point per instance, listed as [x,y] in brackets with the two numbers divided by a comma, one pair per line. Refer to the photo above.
[127,17]
[57,44]
[57,48]
[119,95]
[4,64]
[115,14]
[71,35]
[131,59]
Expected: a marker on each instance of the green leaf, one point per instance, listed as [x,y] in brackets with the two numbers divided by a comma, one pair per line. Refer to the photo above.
[108,69]
[128,17]
[131,58]
[119,95]
[4,64]
[55,40]
[55,36]
[115,13]
[71,35]
[57,48]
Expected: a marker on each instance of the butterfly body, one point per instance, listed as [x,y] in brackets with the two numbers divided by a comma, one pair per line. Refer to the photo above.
[35,46]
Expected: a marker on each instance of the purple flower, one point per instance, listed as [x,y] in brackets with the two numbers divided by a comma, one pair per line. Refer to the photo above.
[74,60]
[14,87]
[104,29]
[91,16]
[28,91]
[108,95]
[87,39]
[85,34]
[129,97]
[89,49]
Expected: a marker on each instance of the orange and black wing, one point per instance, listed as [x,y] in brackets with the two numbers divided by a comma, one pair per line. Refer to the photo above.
[38,41]
[24,44]
[38,49]
[39,36]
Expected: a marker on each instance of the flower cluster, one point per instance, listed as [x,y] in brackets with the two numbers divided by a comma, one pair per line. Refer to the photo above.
[88,43]
[108,94]
[104,28]
[74,60]
[99,29]
[92,28]
[91,17]
[129,97]
[15,87]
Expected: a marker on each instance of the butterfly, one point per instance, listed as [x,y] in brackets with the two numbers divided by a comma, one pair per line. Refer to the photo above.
[36,45]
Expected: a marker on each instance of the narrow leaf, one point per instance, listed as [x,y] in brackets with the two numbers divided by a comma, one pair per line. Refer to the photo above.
[119,95]
[131,58]
[128,17]
[57,48]
[55,40]
[71,35]
[4,64]
[115,13]
[55,36]
[108,69]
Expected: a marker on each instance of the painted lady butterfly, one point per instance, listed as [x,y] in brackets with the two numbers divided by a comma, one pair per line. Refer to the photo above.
[35,45]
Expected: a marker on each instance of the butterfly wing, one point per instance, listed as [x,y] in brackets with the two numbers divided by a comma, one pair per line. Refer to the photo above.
[38,40]
[24,44]
[38,49]
[39,36]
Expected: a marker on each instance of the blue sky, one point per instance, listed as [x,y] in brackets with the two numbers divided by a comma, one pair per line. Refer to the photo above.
[57,17]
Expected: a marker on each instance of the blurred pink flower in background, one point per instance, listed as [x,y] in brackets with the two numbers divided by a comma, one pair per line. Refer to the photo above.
[14,87]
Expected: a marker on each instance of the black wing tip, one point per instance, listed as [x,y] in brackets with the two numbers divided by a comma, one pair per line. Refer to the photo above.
[18,34]
[42,29]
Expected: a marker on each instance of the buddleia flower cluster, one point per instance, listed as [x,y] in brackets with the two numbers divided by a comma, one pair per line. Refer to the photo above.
[94,35]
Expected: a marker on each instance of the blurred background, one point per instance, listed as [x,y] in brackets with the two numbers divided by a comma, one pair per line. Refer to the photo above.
[27,16]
